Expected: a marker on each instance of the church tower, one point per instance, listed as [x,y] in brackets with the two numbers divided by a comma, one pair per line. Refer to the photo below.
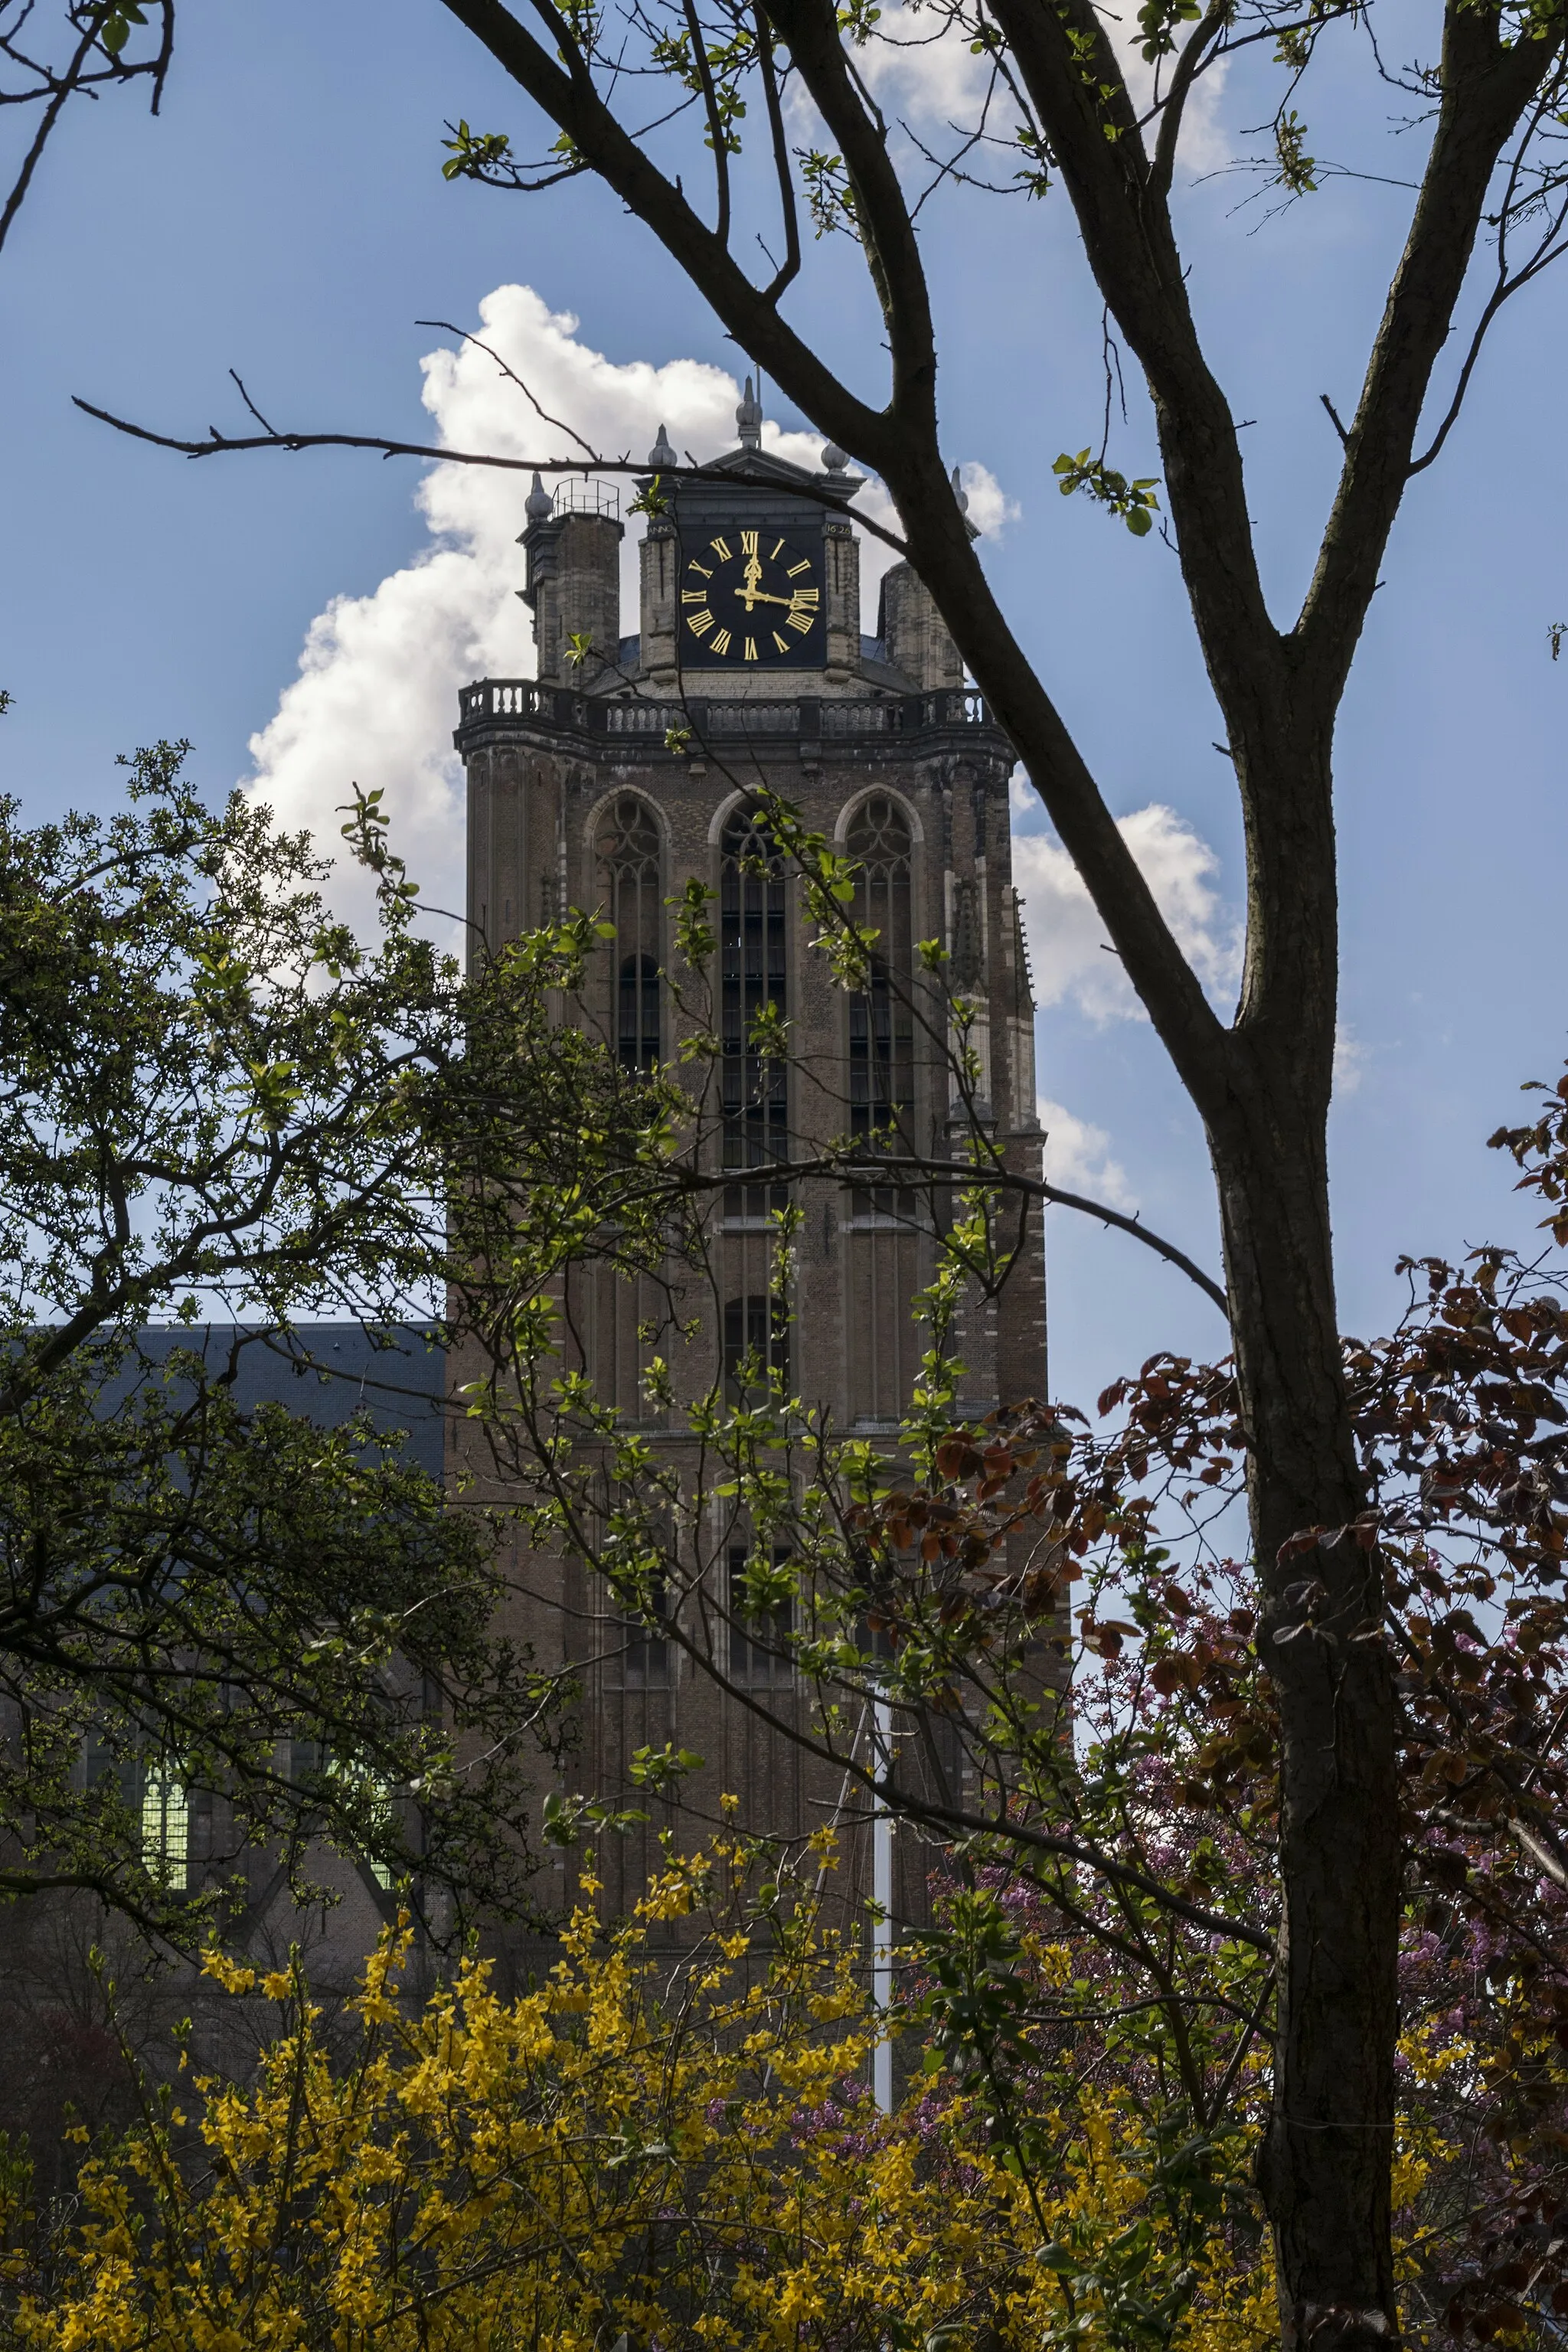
[625,766]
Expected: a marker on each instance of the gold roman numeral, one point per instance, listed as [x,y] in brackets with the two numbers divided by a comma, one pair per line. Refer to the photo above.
[748,542]
[803,596]
[700,623]
[721,641]
[701,570]
[722,548]
[803,565]
[694,596]
[751,654]
[782,643]
[774,550]
[801,620]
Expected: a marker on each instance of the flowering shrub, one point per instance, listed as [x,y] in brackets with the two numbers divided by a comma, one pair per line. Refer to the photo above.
[670,2137]
[680,2148]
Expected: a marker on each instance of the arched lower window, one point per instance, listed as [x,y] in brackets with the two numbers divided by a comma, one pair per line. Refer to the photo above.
[756,1088]
[637,1025]
[881,1014]
[646,1660]
[756,1347]
[166,1827]
[631,877]
[760,1639]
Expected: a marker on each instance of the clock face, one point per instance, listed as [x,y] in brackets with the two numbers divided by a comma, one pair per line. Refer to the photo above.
[751,600]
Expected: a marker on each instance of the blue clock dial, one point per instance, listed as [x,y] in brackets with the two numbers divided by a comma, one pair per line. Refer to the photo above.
[751,599]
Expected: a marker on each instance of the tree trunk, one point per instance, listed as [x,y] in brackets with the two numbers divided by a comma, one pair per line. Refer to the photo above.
[1324,2168]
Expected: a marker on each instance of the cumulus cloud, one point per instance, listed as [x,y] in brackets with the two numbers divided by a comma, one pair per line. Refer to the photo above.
[990,507]
[1204,144]
[922,67]
[1350,1060]
[1078,1156]
[375,697]
[1069,947]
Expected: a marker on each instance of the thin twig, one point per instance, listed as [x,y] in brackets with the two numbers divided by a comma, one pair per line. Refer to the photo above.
[51,115]
[218,444]
[511,374]
[892,1169]
[789,268]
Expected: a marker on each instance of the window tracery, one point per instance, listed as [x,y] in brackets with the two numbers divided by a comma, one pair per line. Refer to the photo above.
[881,1014]
[631,876]
[755,1086]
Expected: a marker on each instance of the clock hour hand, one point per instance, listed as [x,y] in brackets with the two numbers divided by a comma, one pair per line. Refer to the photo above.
[749,596]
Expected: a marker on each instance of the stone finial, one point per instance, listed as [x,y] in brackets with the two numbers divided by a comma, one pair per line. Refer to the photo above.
[960,494]
[539,503]
[835,459]
[749,419]
[661,457]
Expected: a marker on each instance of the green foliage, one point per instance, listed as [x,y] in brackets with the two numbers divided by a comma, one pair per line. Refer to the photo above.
[1296,167]
[115,20]
[217,1099]
[1135,501]
[660,1769]
[1157,22]
[471,154]
[858,19]
[829,196]
[653,500]
[1034,177]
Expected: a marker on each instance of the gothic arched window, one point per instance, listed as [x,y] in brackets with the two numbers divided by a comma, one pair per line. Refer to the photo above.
[755,1090]
[760,1639]
[756,1346]
[630,875]
[881,1014]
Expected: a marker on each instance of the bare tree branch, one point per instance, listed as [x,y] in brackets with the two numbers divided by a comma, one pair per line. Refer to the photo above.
[220,444]
[512,376]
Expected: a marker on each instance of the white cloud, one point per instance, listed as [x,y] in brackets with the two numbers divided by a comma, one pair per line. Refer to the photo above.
[1203,145]
[1078,1156]
[1068,945]
[920,64]
[922,67]
[375,697]
[990,507]
[1351,1059]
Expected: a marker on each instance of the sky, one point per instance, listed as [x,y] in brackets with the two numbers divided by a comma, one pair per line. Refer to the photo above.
[306,621]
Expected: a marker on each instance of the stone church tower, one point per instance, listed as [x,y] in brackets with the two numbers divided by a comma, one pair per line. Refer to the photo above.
[605,783]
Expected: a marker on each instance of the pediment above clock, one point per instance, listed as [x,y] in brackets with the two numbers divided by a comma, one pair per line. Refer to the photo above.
[761,470]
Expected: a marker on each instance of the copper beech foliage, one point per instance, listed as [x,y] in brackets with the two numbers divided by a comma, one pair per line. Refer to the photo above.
[1461,1418]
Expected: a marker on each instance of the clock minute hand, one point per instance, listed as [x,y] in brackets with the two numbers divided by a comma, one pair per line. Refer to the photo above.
[749,596]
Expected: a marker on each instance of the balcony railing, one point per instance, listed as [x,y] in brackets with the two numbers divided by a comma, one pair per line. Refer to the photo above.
[799,720]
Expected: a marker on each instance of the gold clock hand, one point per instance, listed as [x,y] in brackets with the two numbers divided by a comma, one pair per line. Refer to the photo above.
[761,596]
[750,594]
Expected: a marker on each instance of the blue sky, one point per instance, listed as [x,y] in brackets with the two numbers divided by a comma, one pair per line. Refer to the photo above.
[287,218]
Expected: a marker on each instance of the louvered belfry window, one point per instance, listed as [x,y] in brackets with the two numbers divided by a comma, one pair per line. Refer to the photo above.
[752,976]
[631,876]
[881,1017]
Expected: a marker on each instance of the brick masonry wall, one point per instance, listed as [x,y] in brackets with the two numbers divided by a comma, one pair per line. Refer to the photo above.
[538,796]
